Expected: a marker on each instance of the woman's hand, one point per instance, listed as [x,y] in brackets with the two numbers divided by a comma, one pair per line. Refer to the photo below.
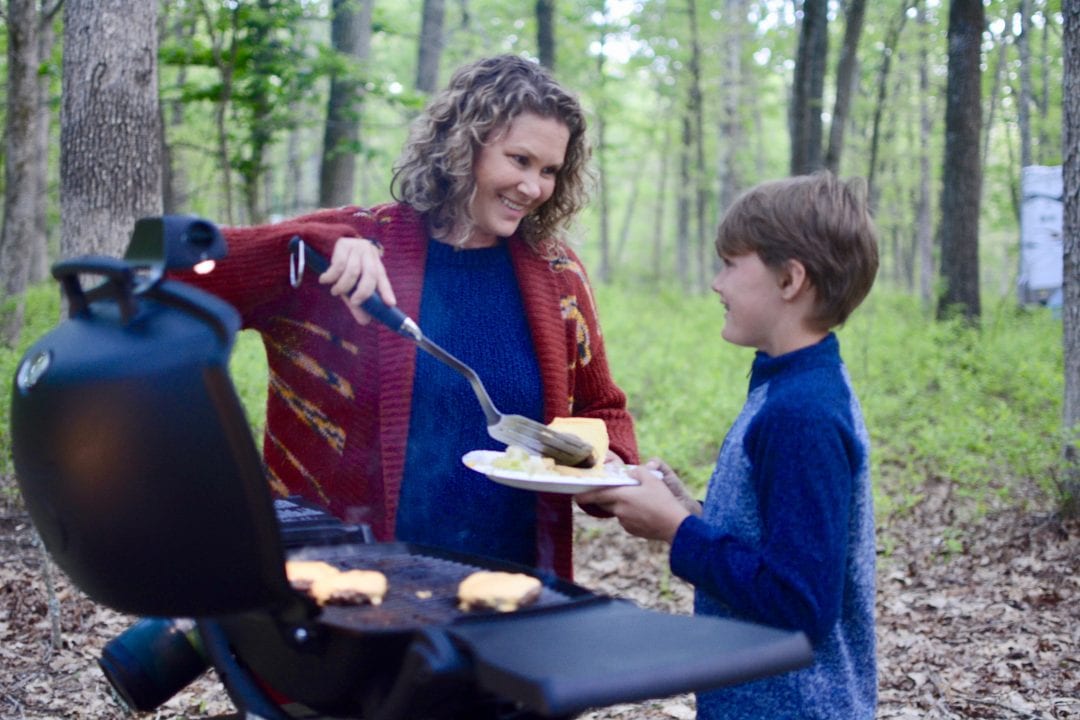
[650,510]
[356,273]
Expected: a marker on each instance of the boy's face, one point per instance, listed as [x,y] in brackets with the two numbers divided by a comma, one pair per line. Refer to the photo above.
[751,293]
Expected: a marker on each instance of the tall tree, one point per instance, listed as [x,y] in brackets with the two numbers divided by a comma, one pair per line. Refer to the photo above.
[601,154]
[1002,44]
[1071,235]
[545,32]
[350,32]
[258,97]
[923,224]
[962,173]
[264,70]
[110,149]
[696,112]
[431,46]
[22,237]
[48,88]
[683,233]
[892,39]
[731,124]
[659,196]
[809,88]
[177,26]
[846,77]
[1024,102]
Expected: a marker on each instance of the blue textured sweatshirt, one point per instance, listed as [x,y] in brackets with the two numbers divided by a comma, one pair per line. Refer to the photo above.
[786,538]
[444,503]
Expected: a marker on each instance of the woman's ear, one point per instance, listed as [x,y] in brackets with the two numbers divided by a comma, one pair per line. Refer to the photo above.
[793,279]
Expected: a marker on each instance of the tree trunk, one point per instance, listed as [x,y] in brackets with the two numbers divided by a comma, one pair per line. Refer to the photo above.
[19,232]
[174,181]
[294,175]
[39,260]
[627,221]
[1047,150]
[696,112]
[682,212]
[923,224]
[224,61]
[846,78]
[431,46]
[351,37]
[1071,237]
[604,271]
[891,40]
[545,32]
[110,149]
[660,206]
[1023,45]
[995,90]
[260,128]
[731,127]
[807,94]
[962,176]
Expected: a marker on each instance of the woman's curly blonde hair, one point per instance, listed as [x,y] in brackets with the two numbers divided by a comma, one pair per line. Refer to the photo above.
[434,174]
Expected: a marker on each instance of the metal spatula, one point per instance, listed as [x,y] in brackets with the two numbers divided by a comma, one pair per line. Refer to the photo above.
[534,436]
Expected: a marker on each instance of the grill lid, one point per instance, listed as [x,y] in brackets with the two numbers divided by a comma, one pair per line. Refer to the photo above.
[133,453]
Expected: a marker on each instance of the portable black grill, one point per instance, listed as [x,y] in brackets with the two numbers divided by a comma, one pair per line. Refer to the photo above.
[139,471]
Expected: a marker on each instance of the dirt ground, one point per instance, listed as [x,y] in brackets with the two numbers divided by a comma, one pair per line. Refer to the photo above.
[976,619]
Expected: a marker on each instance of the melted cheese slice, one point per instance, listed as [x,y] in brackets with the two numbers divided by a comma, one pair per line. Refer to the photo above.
[327,584]
[302,574]
[591,430]
[352,587]
[501,591]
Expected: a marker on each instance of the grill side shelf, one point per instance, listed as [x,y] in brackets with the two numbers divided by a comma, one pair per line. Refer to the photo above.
[611,651]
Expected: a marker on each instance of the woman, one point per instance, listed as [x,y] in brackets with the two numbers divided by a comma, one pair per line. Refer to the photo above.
[493,171]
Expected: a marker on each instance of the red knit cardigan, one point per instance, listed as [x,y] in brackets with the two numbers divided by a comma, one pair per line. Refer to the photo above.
[337,414]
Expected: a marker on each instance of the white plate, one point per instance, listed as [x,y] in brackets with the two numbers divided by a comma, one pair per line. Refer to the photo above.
[481,461]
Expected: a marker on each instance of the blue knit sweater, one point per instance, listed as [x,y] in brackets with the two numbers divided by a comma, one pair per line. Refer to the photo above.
[787,538]
[443,503]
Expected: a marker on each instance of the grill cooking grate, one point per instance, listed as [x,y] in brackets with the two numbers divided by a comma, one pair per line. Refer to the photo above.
[421,588]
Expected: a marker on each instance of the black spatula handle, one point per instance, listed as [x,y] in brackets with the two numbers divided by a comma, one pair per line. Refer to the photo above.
[374,306]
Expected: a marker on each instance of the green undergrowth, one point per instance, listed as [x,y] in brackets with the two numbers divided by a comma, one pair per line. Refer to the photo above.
[979,408]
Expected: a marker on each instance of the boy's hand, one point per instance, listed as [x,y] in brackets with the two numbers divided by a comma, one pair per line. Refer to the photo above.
[675,485]
[649,510]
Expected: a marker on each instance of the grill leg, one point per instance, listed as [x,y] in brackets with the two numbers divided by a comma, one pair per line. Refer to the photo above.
[250,699]
[429,683]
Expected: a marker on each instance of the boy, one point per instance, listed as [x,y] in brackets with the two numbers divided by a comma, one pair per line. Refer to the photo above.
[785,536]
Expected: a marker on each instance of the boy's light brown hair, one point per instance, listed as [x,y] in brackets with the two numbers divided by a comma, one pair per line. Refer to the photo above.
[817,219]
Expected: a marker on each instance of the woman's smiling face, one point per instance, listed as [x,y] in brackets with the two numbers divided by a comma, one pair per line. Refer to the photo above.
[515,174]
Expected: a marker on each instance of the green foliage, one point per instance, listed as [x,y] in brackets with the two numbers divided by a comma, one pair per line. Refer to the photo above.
[247,365]
[42,312]
[979,408]
[684,383]
[248,368]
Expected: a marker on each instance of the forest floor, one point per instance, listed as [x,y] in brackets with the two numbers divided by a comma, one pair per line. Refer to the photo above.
[978,617]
